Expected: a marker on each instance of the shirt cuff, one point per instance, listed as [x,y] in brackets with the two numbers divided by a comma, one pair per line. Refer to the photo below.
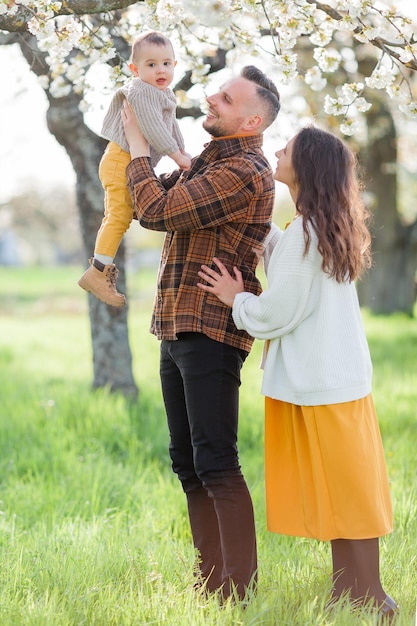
[139,169]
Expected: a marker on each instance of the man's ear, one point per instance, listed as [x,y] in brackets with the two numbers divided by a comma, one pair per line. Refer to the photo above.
[133,69]
[253,123]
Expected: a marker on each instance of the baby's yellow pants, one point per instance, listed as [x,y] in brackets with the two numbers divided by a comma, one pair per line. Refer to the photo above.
[118,206]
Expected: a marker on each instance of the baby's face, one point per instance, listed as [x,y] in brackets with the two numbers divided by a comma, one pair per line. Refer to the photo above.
[155,65]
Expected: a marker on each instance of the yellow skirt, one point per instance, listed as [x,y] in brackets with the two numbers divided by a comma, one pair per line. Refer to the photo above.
[325,471]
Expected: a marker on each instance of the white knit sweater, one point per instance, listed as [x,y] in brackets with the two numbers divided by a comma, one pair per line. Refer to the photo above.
[318,353]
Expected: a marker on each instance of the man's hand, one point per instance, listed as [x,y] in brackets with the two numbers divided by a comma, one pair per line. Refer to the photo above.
[223,285]
[138,145]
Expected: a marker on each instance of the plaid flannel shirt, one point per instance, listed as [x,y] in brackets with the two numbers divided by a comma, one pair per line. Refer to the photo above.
[221,207]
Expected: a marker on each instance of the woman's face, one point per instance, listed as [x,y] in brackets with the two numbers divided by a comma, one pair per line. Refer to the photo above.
[284,172]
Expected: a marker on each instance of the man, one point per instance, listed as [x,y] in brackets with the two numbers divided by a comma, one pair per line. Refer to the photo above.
[222,208]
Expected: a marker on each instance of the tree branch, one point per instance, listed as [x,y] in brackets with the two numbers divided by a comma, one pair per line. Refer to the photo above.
[19,21]
[378,42]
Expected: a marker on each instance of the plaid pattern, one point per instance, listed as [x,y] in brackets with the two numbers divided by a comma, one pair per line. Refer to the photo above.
[221,207]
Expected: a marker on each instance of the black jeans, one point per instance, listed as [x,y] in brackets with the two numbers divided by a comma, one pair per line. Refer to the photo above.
[200,384]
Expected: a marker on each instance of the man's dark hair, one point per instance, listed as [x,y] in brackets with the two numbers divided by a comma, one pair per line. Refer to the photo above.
[267,90]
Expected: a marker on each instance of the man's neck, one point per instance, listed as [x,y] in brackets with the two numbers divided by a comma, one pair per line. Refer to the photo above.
[235,136]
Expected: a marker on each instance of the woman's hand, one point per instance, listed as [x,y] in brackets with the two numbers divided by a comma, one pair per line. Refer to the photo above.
[223,285]
[138,145]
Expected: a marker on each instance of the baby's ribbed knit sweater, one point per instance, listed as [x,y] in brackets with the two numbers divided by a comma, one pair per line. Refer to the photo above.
[155,112]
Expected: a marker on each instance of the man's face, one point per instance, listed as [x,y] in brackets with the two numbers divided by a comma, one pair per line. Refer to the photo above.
[230,108]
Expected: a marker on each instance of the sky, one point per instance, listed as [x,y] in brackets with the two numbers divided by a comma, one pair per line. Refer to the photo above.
[28,152]
[31,158]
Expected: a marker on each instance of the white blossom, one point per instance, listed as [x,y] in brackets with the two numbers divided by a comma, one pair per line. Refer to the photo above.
[84,106]
[314,78]
[368,33]
[362,105]
[75,72]
[323,36]
[320,38]
[347,23]
[349,126]
[288,39]
[332,106]
[380,78]
[349,92]
[286,64]
[356,8]
[199,73]
[398,93]
[212,13]
[409,53]
[43,81]
[234,26]
[165,9]
[328,59]
[59,87]
[410,109]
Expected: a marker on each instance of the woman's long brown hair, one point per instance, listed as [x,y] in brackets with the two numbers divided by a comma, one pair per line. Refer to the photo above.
[329,198]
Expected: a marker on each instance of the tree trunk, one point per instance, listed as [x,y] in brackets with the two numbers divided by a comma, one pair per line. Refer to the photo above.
[112,359]
[389,286]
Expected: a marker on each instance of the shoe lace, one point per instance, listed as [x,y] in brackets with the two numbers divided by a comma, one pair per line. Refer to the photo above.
[112,275]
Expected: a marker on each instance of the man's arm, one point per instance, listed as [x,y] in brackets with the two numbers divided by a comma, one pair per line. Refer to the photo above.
[221,195]
[138,144]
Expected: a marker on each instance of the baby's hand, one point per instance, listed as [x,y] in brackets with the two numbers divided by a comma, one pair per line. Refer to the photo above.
[183,160]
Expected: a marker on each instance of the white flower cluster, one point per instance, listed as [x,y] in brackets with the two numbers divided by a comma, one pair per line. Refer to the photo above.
[350,104]
[73,43]
[380,78]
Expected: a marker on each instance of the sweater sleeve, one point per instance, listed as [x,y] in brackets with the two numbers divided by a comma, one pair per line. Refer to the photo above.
[176,132]
[286,302]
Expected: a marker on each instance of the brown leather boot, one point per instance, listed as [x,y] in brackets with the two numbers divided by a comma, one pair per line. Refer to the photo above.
[100,280]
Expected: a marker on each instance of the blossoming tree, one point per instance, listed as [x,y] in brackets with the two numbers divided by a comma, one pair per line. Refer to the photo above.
[350,57]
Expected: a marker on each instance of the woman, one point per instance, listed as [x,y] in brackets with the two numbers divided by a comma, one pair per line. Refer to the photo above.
[325,470]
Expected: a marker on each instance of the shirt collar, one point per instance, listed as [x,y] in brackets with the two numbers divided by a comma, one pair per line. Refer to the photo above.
[231,144]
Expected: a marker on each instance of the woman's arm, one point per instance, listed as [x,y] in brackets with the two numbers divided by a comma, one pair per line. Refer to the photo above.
[285,303]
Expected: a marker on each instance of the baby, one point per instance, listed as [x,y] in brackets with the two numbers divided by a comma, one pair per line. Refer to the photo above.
[154,104]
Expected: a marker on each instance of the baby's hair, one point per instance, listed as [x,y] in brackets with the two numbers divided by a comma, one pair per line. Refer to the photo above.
[153,37]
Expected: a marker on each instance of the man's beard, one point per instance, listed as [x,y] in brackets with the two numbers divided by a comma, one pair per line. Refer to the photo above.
[219,130]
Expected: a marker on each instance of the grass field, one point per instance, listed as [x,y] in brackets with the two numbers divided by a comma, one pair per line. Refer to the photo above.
[93,525]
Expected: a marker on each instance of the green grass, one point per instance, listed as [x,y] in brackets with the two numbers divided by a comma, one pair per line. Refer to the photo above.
[93,525]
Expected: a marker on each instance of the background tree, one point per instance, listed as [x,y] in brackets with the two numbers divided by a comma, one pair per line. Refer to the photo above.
[63,41]
[390,285]
[112,361]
